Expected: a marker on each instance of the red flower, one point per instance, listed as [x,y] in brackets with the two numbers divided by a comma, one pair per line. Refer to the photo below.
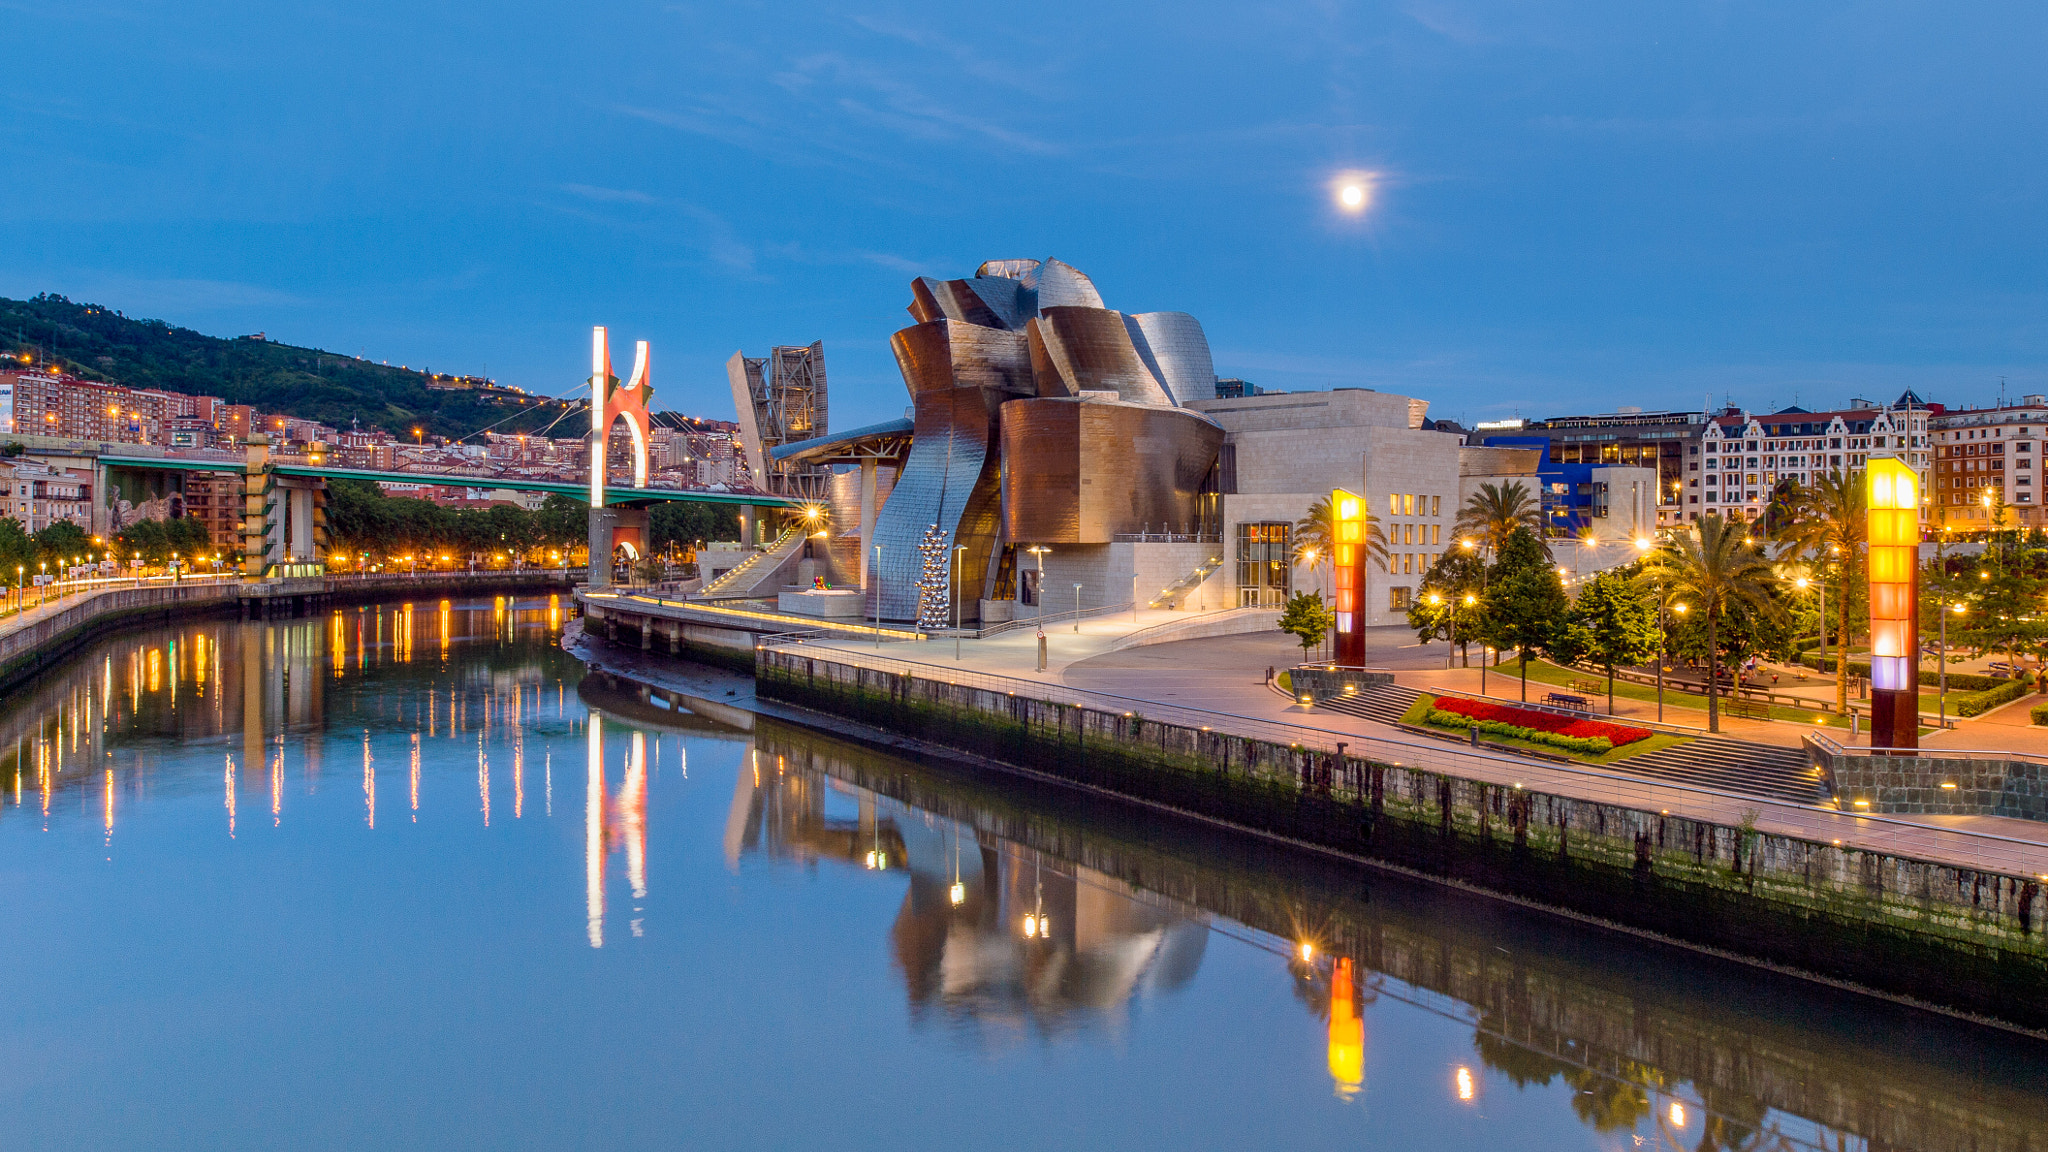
[1617,734]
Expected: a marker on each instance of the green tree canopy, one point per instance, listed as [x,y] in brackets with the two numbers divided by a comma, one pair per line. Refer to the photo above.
[1525,607]
[1620,624]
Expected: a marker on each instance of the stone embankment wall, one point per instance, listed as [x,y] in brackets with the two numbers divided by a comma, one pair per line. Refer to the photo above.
[1938,785]
[1967,939]
[31,647]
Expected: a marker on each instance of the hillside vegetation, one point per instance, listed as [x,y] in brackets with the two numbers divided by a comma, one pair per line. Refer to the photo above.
[98,343]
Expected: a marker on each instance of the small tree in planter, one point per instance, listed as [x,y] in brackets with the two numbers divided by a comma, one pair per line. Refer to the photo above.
[1307,618]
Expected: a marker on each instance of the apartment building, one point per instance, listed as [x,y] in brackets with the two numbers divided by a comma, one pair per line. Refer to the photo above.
[40,495]
[1627,437]
[1982,452]
[1742,456]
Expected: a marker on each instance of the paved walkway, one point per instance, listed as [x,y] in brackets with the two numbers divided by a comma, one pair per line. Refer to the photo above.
[1225,678]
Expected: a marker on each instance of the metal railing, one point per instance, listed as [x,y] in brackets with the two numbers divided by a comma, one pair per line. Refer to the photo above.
[1163,537]
[1902,838]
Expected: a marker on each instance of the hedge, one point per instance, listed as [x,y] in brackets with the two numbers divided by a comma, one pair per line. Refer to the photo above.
[2039,713]
[1583,745]
[1966,681]
[1978,703]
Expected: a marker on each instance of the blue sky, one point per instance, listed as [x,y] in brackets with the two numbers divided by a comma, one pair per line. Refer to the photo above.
[1576,205]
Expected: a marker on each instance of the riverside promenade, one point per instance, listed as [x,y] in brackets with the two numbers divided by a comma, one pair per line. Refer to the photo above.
[1218,683]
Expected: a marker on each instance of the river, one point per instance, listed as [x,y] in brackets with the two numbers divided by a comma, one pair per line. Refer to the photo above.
[406,877]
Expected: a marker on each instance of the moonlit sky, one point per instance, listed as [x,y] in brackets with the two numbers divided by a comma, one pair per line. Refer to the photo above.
[1574,206]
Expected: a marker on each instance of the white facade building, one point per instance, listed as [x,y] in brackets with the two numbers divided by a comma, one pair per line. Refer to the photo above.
[1742,457]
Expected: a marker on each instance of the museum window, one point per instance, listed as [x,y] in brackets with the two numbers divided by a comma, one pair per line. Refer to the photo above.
[1397,599]
[1264,564]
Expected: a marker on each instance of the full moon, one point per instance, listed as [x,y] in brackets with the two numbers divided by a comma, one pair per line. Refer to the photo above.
[1353,196]
[1352,190]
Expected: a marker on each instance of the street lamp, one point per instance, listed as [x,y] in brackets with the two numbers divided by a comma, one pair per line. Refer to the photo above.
[1680,609]
[955,557]
[1077,607]
[1943,689]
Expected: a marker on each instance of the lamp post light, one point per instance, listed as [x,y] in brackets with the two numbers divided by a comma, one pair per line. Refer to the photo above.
[1943,688]
[1680,609]
[958,549]
[1077,607]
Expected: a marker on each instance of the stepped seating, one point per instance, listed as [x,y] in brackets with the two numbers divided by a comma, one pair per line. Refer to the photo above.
[1177,592]
[1708,761]
[753,577]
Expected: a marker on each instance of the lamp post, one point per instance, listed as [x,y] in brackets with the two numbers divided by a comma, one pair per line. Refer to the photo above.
[1077,607]
[957,550]
[1680,609]
[1943,689]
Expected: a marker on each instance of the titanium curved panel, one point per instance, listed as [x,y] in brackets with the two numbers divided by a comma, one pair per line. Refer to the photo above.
[1174,347]
[1023,271]
[1009,303]
[957,373]
[1091,350]
[924,306]
[1081,471]
[1061,285]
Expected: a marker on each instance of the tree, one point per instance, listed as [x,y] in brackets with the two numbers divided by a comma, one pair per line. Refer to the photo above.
[1315,536]
[1620,625]
[1828,527]
[1308,619]
[1525,607]
[1494,513]
[1447,605]
[2006,603]
[1712,568]
[59,542]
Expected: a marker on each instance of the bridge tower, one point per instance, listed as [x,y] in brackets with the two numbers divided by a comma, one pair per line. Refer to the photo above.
[284,518]
[611,400]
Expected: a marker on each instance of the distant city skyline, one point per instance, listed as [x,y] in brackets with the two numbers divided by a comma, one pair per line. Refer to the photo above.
[1550,210]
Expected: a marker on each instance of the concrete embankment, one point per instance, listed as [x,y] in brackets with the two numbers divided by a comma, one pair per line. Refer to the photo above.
[1970,940]
[43,637]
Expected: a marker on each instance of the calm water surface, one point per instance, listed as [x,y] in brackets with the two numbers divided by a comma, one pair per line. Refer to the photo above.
[407,878]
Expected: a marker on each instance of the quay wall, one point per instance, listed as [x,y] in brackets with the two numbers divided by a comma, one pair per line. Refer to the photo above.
[1969,940]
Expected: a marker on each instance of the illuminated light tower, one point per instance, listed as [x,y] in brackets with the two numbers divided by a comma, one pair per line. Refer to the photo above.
[1894,531]
[1348,575]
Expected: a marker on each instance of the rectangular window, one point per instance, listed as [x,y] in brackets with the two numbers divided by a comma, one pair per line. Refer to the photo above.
[1436,534]
[1407,533]
[1408,504]
[1436,505]
[1393,504]
[1397,599]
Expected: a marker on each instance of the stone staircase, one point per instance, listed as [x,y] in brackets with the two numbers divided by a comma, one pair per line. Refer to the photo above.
[1708,761]
[763,568]
[1177,592]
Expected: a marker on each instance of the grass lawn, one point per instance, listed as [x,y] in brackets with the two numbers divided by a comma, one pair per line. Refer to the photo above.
[1420,709]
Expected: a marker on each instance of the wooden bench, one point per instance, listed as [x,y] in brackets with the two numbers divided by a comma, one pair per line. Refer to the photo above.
[1565,700]
[1589,687]
[1745,709]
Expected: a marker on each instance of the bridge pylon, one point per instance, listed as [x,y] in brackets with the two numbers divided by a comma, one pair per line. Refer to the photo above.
[284,518]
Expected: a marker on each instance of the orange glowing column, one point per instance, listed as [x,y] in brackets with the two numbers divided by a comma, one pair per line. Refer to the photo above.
[1348,567]
[1894,530]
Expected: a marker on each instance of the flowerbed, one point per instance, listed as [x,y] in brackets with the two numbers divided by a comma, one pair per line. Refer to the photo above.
[1570,733]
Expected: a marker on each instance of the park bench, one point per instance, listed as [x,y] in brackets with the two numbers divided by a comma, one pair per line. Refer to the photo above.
[1589,687]
[1746,709]
[1566,700]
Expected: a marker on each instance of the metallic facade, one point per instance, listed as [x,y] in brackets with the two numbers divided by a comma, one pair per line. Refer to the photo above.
[1040,416]
[1081,471]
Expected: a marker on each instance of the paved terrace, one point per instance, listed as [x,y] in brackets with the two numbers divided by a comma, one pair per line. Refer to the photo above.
[1221,682]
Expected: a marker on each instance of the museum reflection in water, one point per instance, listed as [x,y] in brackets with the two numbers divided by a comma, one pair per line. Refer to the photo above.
[1026,916]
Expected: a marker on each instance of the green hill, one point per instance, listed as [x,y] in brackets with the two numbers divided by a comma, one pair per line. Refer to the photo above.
[98,343]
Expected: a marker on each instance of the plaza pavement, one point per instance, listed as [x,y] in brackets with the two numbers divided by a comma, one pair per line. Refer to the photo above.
[1226,675]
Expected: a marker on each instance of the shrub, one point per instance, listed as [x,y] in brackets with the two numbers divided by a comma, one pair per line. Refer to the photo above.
[1583,745]
[2038,713]
[1965,681]
[1574,726]
[1978,703]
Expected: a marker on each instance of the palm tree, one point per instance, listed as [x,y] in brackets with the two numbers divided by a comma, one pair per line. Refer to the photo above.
[1714,567]
[1315,537]
[1493,513]
[1827,525]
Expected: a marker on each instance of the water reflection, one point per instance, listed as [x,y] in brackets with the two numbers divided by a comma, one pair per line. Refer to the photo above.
[993,913]
[1658,1048]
